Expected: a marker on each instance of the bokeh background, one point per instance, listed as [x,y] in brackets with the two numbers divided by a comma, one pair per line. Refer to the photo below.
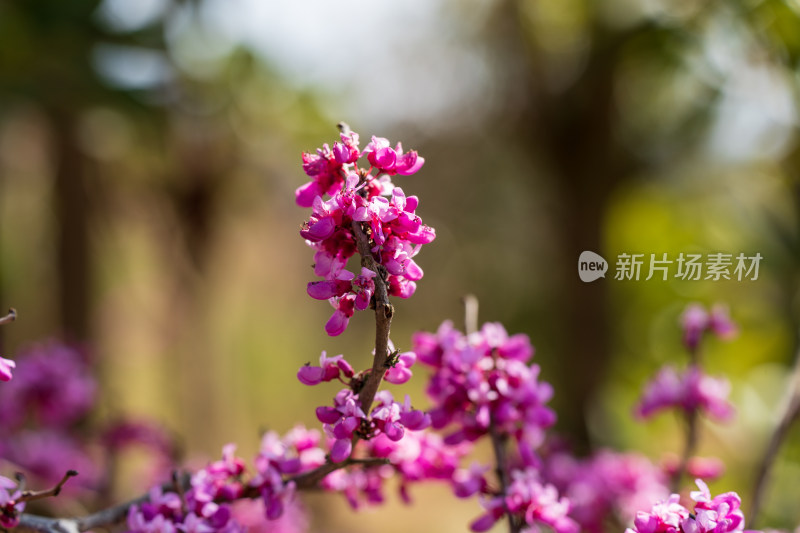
[149,151]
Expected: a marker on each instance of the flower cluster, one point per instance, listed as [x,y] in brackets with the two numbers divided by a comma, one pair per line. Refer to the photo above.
[208,504]
[482,385]
[53,387]
[203,508]
[696,321]
[690,391]
[536,503]
[419,456]
[720,514]
[606,485]
[51,394]
[297,452]
[346,418]
[360,205]
[482,380]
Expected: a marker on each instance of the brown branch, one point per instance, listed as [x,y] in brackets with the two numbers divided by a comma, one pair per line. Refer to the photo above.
[383,320]
[692,429]
[499,448]
[30,495]
[498,440]
[309,480]
[179,484]
[103,518]
[688,450]
[791,413]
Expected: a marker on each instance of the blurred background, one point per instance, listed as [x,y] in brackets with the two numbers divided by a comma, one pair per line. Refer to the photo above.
[149,151]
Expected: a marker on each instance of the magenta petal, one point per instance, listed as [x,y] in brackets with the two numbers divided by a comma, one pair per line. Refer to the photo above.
[383,158]
[337,323]
[483,523]
[350,424]
[323,290]
[423,235]
[273,507]
[415,420]
[409,163]
[362,300]
[321,229]
[328,415]
[517,347]
[305,194]
[345,367]
[341,450]
[398,375]
[394,431]
[340,431]
[412,271]
[406,222]
[310,375]
[5,369]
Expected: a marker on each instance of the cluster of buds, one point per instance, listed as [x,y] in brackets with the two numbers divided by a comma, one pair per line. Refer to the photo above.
[483,380]
[483,385]
[361,206]
[720,514]
[346,419]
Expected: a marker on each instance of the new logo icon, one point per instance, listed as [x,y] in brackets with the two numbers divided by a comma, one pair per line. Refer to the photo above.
[591,266]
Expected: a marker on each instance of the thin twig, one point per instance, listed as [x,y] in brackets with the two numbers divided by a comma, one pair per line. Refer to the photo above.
[103,518]
[383,320]
[692,429]
[498,440]
[791,413]
[310,480]
[30,495]
[179,484]
[688,450]
[499,448]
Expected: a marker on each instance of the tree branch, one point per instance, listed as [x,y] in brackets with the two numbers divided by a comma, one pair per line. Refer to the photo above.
[692,429]
[791,413]
[180,483]
[30,495]
[383,320]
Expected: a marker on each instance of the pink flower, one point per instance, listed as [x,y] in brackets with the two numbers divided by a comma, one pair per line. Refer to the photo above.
[337,323]
[396,233]
[720,514]
[10,509]
[329,368]
[5,369]
[688,391]
[696,321]
[401,371]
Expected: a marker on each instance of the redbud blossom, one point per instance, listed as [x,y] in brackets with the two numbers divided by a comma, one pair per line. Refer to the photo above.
[689,391]
[720,514]
[5,369]
[10,508]
[387,217]
[696,321]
